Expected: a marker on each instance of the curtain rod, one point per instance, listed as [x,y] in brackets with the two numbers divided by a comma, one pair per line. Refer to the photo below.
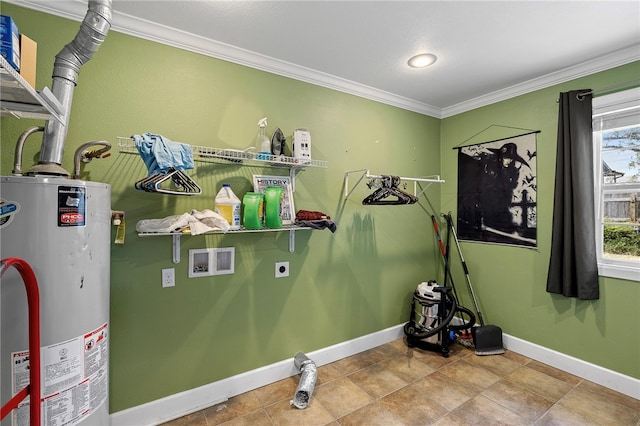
[625,85]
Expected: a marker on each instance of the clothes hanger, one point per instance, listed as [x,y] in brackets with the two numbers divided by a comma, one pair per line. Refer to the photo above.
[388,188]
[181,181]
[143,183]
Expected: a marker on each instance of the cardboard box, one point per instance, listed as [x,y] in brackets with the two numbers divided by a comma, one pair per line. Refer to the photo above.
[28,57]
[9,41]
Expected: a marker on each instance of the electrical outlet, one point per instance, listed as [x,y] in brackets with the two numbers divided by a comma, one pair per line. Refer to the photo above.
[168,277]
[282,269]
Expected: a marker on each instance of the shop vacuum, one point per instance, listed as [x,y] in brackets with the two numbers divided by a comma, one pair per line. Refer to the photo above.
[431,324]
[433,309]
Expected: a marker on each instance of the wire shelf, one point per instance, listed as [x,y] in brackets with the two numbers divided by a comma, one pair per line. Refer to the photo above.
[20,100]
[226,156]
[176,236]
[242,230]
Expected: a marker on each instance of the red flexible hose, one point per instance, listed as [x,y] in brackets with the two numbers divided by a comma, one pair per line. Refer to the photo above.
[33,302]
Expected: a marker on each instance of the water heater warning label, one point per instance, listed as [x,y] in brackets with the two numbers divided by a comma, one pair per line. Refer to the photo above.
[72,205]
[74,376]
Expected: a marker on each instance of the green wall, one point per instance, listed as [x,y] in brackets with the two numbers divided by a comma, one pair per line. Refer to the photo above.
[511,282]
[343,285]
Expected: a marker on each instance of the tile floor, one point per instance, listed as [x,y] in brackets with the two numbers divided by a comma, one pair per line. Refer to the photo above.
[394,385]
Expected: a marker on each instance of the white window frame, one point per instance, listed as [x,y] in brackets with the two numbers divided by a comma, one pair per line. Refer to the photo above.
[603,105]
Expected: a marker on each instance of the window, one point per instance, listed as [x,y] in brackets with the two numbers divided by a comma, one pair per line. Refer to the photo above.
[616,136]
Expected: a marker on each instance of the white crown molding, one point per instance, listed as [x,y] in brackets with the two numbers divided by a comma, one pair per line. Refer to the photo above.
[612,60]
[76,9]
[126,24]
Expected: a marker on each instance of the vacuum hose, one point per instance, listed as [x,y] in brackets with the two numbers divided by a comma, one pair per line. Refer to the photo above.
[413,330]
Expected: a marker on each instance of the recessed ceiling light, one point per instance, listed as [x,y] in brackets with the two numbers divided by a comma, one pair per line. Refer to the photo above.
[422,60]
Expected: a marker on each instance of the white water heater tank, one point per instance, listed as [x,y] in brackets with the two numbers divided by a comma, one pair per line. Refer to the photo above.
[61,227]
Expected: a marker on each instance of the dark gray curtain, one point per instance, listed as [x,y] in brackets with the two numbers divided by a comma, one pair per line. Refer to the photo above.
[573,267]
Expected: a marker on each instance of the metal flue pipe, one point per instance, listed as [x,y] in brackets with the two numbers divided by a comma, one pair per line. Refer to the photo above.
[92,32]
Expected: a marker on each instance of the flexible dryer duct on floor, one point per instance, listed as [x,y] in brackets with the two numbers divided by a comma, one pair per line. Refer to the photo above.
[309,374]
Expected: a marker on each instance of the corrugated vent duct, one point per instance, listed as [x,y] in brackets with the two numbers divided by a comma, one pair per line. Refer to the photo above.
[92,32]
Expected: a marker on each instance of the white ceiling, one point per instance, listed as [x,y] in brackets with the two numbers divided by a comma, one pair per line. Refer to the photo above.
[487,50]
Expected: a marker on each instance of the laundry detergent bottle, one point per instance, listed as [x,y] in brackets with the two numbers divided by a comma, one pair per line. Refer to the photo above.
[228,206]
[273,198]
[253,210]
[263,144]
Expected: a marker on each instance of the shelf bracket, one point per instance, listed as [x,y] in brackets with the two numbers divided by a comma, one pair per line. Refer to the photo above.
[292,241]
[415,188]
[364,172]
[292,177]
[176,248]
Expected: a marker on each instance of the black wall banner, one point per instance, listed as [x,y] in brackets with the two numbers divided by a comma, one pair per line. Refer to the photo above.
[497,191]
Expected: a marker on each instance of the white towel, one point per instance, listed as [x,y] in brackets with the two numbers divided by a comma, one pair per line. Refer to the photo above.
[198,222]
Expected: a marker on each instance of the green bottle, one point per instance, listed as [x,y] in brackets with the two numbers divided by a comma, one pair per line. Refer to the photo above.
[253,213]
[273,197]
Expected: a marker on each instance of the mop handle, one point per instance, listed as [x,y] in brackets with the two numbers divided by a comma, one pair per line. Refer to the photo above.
[435,226]
[464,266]
[445,256]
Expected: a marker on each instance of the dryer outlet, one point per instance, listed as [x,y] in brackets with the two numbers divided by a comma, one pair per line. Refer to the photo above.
[282,269]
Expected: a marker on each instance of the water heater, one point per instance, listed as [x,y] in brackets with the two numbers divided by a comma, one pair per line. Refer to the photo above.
[61,227]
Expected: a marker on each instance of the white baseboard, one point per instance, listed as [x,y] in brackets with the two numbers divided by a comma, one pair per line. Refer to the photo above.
[183,403]
[586,370]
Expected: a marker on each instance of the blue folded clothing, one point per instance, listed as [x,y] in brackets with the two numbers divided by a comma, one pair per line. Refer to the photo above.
[159,153]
